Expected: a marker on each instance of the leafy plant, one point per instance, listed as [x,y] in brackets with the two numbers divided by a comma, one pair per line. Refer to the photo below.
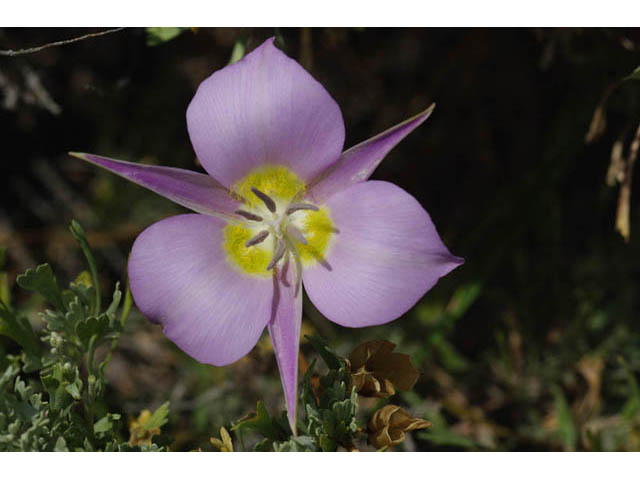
[50,393]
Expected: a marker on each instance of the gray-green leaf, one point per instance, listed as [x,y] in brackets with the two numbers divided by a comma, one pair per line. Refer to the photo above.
[43,281]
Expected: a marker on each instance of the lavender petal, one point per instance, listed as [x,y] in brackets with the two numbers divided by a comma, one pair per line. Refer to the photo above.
[264,109]
[383,260]
[180,278]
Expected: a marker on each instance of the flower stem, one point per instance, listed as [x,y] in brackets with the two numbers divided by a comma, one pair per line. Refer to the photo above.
[79,234]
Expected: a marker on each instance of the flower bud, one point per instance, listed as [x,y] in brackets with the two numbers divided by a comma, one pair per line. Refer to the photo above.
[56,340]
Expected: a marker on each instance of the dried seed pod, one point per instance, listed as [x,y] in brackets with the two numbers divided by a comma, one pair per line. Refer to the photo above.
[376,371]
[388,426]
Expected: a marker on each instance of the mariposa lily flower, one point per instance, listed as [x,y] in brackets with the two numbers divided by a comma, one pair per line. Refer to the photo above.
[281,205]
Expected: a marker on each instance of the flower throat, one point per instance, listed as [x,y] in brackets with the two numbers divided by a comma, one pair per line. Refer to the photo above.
[275,226]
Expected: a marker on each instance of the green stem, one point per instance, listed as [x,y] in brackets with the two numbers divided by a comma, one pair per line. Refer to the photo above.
[81,237]
[126,308]
[91,353]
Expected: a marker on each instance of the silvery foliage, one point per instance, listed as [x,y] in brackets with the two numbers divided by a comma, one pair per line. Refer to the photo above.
[51,391]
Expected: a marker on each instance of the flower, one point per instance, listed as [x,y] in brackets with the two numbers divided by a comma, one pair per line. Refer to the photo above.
[389,424]
[281,205]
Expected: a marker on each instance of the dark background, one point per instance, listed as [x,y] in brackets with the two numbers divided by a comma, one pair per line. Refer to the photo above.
[533,344]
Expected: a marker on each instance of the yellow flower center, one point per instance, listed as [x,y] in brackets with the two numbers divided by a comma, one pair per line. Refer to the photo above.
[276,227]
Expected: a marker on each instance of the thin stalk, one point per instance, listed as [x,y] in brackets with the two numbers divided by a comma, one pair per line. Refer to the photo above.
[126,308]
[79,234]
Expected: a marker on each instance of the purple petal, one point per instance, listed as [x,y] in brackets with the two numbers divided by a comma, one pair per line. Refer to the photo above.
[358,163]
[193,190]
[181,279]
[264,109]
[284,329]
[386,255]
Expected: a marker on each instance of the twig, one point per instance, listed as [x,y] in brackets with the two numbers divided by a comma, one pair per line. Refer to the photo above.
[624,199]
[13,53]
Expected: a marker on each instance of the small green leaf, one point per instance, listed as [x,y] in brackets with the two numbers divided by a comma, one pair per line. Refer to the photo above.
[18,329]
[566,426]
[76,314]
[83,292]
[332,360]
[239,49]
[635,75]
[74,389]
[91,326]
[115,303]
[462,299]
[55,320]
[158,418]
[61,445]
[159,35]
[43,281]
[105,424]
[262,423]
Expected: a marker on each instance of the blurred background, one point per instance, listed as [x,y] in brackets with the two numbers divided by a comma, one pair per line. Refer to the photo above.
[525,167]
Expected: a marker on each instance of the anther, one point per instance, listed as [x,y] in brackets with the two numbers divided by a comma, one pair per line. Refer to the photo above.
[296,234]
[256,239]
[294,207]
[248,215]
[280,249]
[266,199]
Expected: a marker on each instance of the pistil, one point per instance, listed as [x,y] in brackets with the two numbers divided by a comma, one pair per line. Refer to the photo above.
[281,248]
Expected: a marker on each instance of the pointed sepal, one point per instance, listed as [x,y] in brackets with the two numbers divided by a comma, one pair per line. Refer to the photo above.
[359,162]
[284,329]
[195,191]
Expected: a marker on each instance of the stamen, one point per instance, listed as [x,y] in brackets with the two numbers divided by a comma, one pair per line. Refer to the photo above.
[294,207]
[248,215]
[256,239]
[297,234]
[266,199]
[280,249]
